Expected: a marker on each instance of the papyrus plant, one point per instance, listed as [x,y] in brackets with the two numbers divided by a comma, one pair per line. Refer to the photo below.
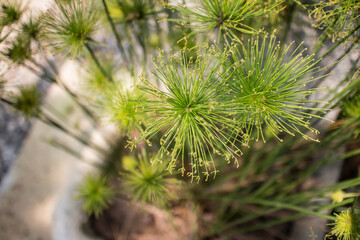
[338,16]
[226,17]
[212,103]
[205,106]
[190,110]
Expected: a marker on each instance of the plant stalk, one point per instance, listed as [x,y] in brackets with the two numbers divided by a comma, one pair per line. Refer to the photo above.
[96,60]
[113,28]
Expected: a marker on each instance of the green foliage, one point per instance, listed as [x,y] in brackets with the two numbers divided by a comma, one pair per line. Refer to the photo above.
[351,109]
[149,182]
[18,51]
[69,26]
[340,16]
[28,102]
[347,225]
[206,108]
[226,16]
[96,193]
[136,23]
[95,79]
[190,110]
[31,28]
[268,89]
[352,106]
[266,183]
[203,107]
[128,11]
[123,107]
[10,12]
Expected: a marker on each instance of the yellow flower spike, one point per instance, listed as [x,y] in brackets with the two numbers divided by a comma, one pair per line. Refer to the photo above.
[346,225]
[339,196]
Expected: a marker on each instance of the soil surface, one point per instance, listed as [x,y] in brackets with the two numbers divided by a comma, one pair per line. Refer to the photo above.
[130,221]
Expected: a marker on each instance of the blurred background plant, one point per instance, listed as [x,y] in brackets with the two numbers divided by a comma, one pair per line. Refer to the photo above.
[218,85]
[96,193]
[147,181]
[339,17]
[223,18]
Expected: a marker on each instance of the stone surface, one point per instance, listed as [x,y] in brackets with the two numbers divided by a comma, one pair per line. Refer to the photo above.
[13,130]
[37,195]
[28,193]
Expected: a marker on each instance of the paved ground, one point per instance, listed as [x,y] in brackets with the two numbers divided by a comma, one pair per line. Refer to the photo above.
[30,191]
[37,194]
